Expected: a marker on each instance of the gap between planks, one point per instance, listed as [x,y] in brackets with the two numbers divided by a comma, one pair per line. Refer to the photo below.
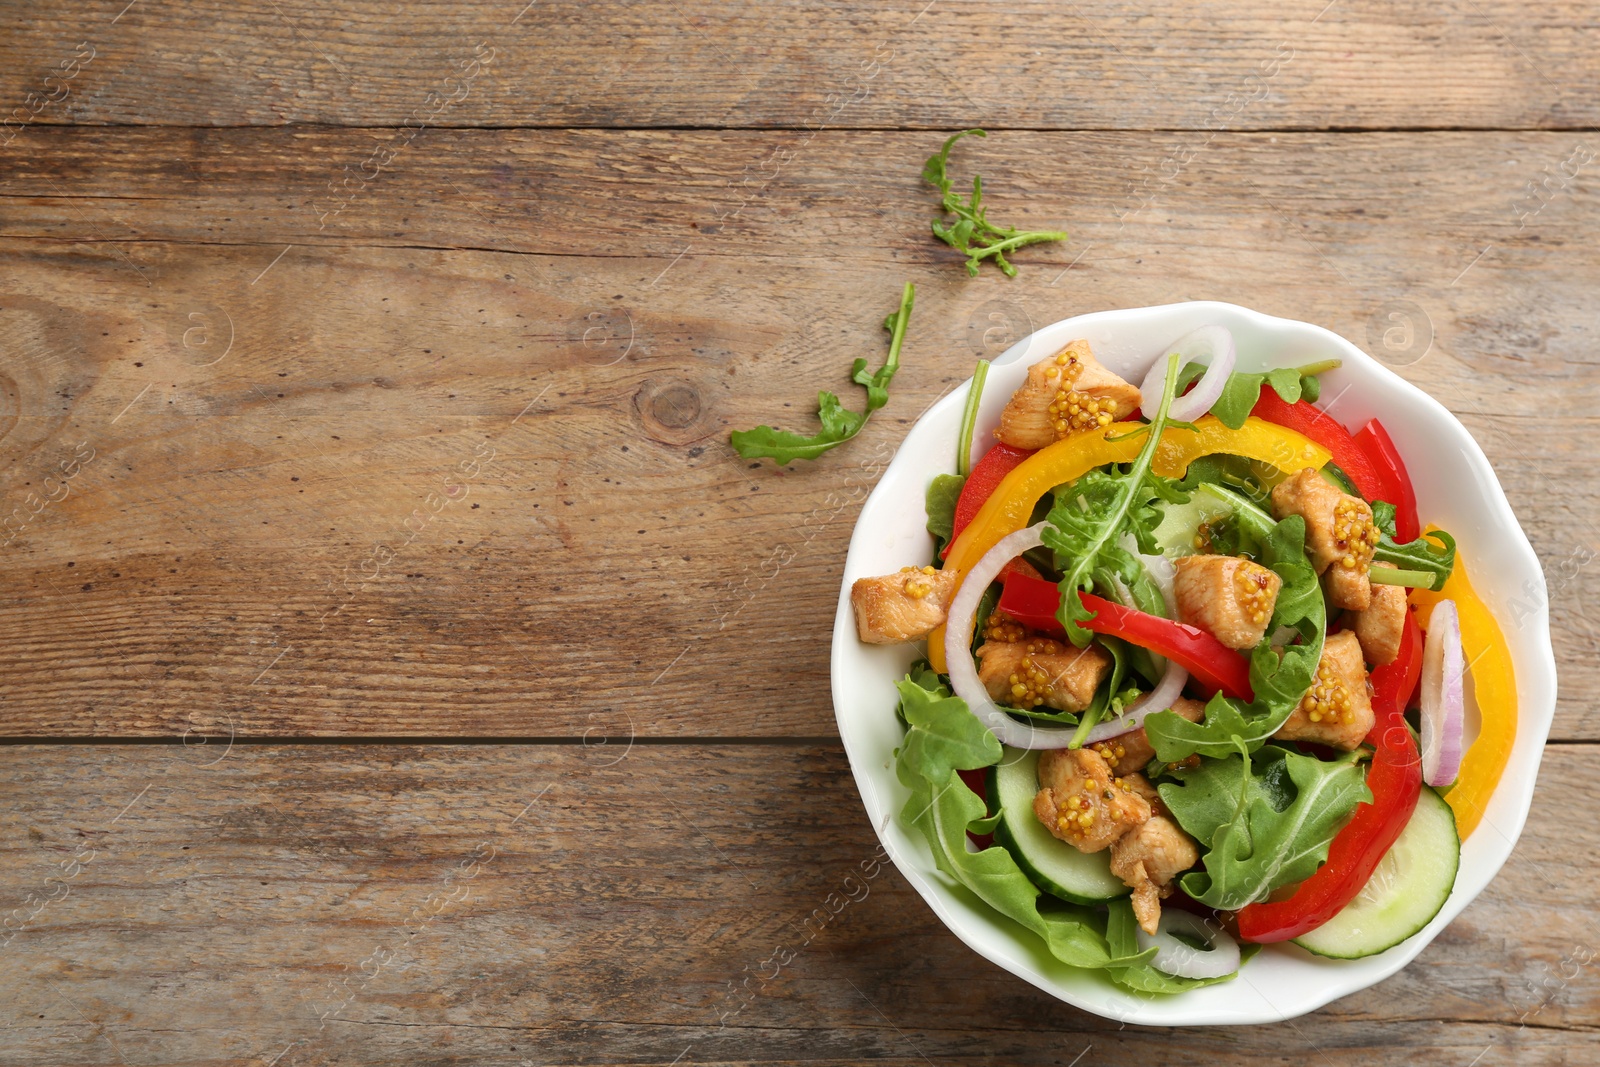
[426,739]
[297,127]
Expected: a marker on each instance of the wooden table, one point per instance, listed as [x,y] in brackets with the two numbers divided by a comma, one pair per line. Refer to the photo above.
[398,665]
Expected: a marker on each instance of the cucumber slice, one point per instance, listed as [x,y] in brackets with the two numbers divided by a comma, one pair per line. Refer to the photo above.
[1180,522]
[1051,864]
[1337,478]
[1405,892]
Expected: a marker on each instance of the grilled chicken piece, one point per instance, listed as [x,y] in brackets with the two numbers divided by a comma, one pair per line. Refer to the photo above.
[1042,671]
[1337,710]
[1127,753]
[1064,394]
[1379,627]
[903,606]
[1080,802]
[1147,858]
[1339,532]
[1231,597]
[1139,785]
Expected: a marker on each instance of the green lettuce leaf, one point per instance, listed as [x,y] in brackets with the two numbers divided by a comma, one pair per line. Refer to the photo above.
[943,492]
[1266,830]
[945,736]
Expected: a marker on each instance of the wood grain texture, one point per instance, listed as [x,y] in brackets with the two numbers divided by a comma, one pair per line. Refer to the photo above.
[571,904]
[366,372]
[1356,63]
[456,463]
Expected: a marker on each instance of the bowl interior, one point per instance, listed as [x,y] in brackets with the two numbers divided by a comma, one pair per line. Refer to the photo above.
[1456,489]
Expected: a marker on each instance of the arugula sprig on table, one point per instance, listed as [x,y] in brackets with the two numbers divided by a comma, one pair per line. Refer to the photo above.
[972,232]
[838,423]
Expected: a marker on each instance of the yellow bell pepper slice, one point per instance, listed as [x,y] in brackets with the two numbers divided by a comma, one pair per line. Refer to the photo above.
[1495,688]
[1011,504]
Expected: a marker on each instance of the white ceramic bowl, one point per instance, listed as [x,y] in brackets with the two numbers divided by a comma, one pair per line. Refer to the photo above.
[1456,489]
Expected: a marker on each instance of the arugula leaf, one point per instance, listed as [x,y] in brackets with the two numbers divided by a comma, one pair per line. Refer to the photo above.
[1299,603]
[1259,837]
[1383,517]
[972,232]
[923,675]
[1239,396]
[1090,515]
[1208,796]
[838,423]
[943,492]
[1242,390]
[1279,680]
[1255,519]
[1422,557]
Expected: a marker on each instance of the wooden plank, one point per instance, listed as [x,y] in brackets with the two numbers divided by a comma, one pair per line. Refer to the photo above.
[325,482]
[1444,221]
[559,904]
[1256,65]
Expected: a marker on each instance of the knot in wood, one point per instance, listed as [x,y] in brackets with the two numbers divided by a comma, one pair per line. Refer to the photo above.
[672,410]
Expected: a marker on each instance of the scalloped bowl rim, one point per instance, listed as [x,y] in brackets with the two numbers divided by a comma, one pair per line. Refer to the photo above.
[1283,981]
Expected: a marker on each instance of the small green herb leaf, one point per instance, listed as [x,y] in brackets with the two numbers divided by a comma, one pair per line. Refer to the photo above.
[1242,390]
[972,232]
[838,423]
[1431,556]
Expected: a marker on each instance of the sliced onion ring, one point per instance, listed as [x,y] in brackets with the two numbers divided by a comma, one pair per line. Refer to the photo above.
[964,673]
[958,648]
[1444,701]
[1184,961]
[1211,345]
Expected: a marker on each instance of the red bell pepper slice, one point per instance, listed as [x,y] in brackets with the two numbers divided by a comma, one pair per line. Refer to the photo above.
[1374,440]
[1326,431]
[1395,779]
[996,463]
[1212,664]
